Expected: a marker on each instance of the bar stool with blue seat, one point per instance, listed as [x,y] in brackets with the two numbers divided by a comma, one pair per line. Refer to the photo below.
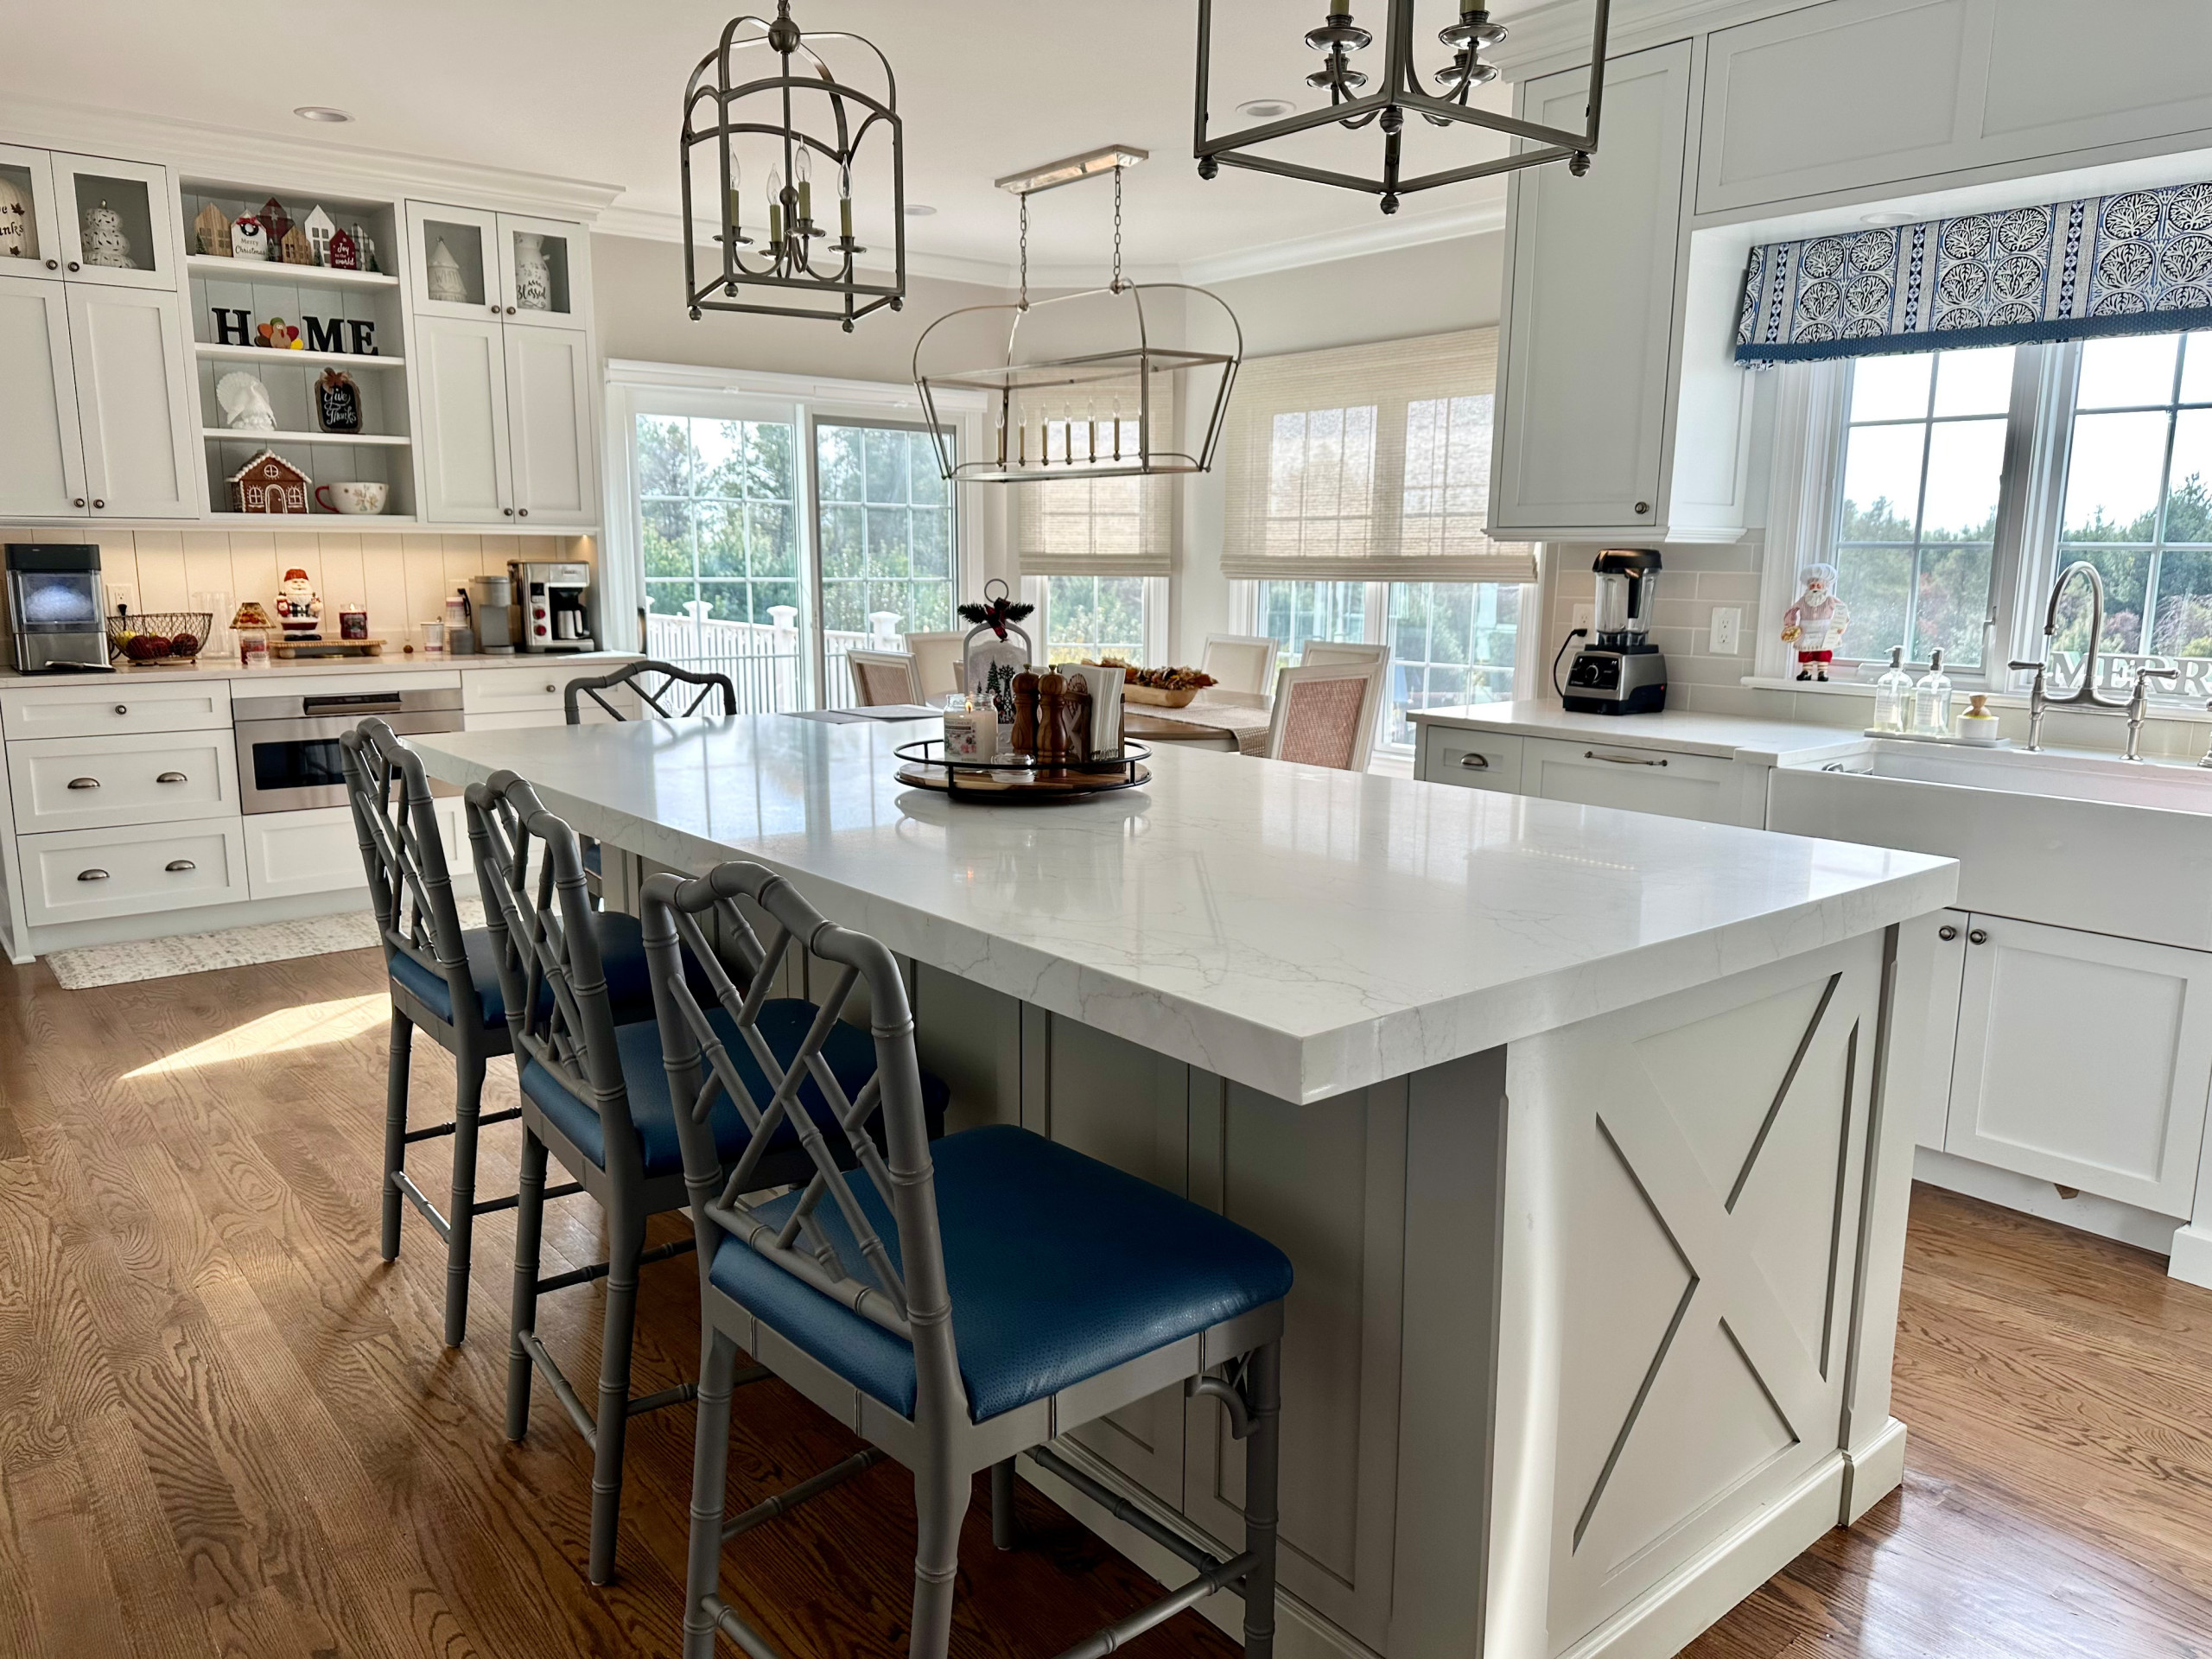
[595,1097]
[671,692]
[434,966]
[956,1304]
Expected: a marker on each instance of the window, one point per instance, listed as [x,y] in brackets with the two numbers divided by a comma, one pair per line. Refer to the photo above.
[1099,616]
[1959,482]
[774,534]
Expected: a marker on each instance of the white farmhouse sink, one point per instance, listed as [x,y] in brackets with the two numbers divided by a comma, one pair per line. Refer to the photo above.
[2077,839]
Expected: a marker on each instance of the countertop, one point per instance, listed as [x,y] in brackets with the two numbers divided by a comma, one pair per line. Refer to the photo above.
[1301,930]
[394,662]
[1730,737]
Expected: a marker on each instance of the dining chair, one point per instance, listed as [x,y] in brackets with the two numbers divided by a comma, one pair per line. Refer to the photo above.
[957,1304]
[671,692]
[881,677]
[444,980]
[1239,662]
[595,1097]
[1324,713]
[940,661]
[1325,653]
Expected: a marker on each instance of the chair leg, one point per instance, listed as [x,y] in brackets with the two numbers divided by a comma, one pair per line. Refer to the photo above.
[1263,1399]
[394,1127]
[625,1242]
[709,1482]
[530,1224]
[460,1210]
[1005,1530]
[940,1499]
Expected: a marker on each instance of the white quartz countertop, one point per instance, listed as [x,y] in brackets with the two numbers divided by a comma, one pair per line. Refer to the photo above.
[393,662]
[1731,737]
[1301,930]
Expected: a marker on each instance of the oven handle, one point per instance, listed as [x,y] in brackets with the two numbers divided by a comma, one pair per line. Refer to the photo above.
[363,702]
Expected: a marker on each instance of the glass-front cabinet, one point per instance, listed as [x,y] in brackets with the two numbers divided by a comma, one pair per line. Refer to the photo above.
[545,271]
[115,222]
[30,229]
[470,262]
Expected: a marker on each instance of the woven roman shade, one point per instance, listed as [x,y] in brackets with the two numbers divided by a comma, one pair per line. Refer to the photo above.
[1366,463]
[1097,527]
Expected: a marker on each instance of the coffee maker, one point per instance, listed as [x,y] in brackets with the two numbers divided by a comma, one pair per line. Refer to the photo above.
[51,602]
[1620,671]
[555,602]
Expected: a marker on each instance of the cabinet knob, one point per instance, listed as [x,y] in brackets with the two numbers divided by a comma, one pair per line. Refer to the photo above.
[1643,507]
[91,876]
[80,500]
[73,266]
[550,689]
[171,778]
[121,708]
[1475,762]
[495,310]
[511,310]
[178,866]
[522,513]
[84,783]
[53,265]
[510,511]
[98,505]
[1980,936]
[1946,933]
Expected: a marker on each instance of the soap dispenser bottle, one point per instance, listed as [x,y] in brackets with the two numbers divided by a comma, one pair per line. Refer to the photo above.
[1931,701]
[1892,694]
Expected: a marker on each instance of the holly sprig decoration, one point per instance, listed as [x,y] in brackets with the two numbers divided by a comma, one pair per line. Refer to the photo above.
[995,612]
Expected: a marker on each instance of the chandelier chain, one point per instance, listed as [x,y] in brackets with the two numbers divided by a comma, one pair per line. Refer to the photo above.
[1025,251]
[1117,284]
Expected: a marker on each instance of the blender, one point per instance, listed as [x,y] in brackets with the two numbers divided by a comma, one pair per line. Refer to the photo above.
[1620,671]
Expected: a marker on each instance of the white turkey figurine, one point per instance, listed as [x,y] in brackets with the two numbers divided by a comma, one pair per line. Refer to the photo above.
[245,404]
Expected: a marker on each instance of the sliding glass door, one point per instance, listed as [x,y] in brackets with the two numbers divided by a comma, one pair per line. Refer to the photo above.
[889,564]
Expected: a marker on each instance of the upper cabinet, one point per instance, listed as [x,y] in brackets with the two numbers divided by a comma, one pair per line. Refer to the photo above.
[1592,351]
[1877,94]
[469,263]
[117,222]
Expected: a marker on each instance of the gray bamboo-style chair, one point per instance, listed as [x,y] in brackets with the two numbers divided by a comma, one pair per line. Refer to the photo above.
[658,686]
[445,980]
[957,1304]
[595,1096]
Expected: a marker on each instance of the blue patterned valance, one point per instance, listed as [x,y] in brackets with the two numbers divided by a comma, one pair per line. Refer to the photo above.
[2136,263]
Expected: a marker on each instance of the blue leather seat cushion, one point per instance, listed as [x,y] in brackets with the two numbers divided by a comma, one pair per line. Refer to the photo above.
[622,954]
[1060,1267]
[784,1022]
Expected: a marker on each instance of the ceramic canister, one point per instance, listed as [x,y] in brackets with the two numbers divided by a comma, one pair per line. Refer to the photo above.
[533,277]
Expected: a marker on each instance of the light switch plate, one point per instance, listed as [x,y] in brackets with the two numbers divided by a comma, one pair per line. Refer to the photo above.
[1727,629]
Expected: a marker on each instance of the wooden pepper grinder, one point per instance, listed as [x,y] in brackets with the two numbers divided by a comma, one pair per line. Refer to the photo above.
[1024,738]
[1051,719]
[1074,719]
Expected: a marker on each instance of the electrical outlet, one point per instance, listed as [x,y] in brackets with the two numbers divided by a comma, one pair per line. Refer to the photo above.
[122,595]
[1727,627]
[1585,616]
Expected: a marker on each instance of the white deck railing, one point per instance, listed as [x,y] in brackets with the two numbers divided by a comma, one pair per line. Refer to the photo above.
[764,660]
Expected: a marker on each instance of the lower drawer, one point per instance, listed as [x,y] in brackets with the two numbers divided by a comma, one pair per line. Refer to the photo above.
[317,851]
[78,876]
[1472,760]
[85,782]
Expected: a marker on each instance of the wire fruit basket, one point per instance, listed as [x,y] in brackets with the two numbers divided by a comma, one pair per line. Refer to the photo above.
[1020,781]
[159,636]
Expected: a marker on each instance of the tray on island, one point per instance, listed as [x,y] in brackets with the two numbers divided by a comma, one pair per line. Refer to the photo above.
[289,649]
[1156,698]
[1019,782]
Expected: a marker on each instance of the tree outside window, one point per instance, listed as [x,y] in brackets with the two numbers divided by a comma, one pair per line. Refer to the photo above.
[719,510]
[888,538]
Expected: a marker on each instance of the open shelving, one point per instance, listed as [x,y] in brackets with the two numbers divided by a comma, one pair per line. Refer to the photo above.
[269,354]
[268,439]
[222,268]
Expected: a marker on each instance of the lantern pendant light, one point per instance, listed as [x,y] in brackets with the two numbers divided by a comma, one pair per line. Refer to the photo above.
[794,119]
[1398,89]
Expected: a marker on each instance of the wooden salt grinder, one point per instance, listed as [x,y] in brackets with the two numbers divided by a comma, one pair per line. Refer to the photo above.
[1024,739]
[1051,719]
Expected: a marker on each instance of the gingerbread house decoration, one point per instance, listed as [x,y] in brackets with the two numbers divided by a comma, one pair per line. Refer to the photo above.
[320,228]
[268,484]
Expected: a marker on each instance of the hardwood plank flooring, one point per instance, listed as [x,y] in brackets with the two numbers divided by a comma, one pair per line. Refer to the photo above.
[228,1431]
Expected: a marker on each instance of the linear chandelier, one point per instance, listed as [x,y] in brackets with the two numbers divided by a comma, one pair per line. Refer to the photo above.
[793,123]
[1401,91]
[1084,385]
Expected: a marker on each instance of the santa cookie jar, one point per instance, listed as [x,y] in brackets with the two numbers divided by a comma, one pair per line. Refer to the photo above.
[297,607]
[1815,624]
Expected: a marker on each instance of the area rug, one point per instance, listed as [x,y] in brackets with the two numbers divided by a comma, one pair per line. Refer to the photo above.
[94,965]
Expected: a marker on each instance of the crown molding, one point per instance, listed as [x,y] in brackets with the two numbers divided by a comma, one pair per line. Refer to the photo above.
[1555,34]
[1381,236]
[274,161]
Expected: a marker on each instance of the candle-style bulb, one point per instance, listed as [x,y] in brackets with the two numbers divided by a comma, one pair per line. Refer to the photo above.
[775,207]
[802,176]
[1117,428]
[845,202]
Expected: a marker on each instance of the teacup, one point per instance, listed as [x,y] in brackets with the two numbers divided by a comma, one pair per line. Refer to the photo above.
[360,496]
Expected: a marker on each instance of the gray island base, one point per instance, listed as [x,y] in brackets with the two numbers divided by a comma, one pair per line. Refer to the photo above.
[1589,1133]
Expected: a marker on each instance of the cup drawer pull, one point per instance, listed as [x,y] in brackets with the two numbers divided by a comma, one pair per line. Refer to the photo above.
[1475,762]
[91,876]
[178,866]
[172,777]
[1620,759]
[84,783]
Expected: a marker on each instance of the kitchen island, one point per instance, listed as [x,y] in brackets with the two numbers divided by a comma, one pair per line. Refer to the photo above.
[1589,1135]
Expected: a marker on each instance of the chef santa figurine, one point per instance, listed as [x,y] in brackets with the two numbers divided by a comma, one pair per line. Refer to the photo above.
[1816,623]
[298,606]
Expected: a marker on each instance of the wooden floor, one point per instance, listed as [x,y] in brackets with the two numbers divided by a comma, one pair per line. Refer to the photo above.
[226,1428]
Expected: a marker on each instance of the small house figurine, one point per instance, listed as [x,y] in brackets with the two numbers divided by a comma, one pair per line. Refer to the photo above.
[298,608]
[249,240]
[320,228]
[275,220]
[268,484]
[295,248]
[441,277]
[365,249]
[343,253]
[213,228]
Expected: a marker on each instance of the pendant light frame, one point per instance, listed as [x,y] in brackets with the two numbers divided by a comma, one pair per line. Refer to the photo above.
[719,107]
[1399,94]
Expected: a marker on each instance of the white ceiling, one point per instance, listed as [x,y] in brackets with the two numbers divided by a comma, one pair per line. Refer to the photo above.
[587,90]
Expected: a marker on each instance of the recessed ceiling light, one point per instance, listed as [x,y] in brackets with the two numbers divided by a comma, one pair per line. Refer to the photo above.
[1885,220]
[919,210]
[321,113]
[1267,109]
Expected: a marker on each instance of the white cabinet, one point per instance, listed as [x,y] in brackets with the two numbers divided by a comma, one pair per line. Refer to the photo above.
[79,876]
[31,171]
[1675,786]
[98,199]
[1584,392]
[548,426]
[134,404]
[503,699]
[462,382]
[2083,1060]
[108,706]
[1471,759]
[317,850]
[79,783]
[41,455]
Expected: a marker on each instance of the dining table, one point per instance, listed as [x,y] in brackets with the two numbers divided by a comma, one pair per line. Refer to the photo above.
[1231,722]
